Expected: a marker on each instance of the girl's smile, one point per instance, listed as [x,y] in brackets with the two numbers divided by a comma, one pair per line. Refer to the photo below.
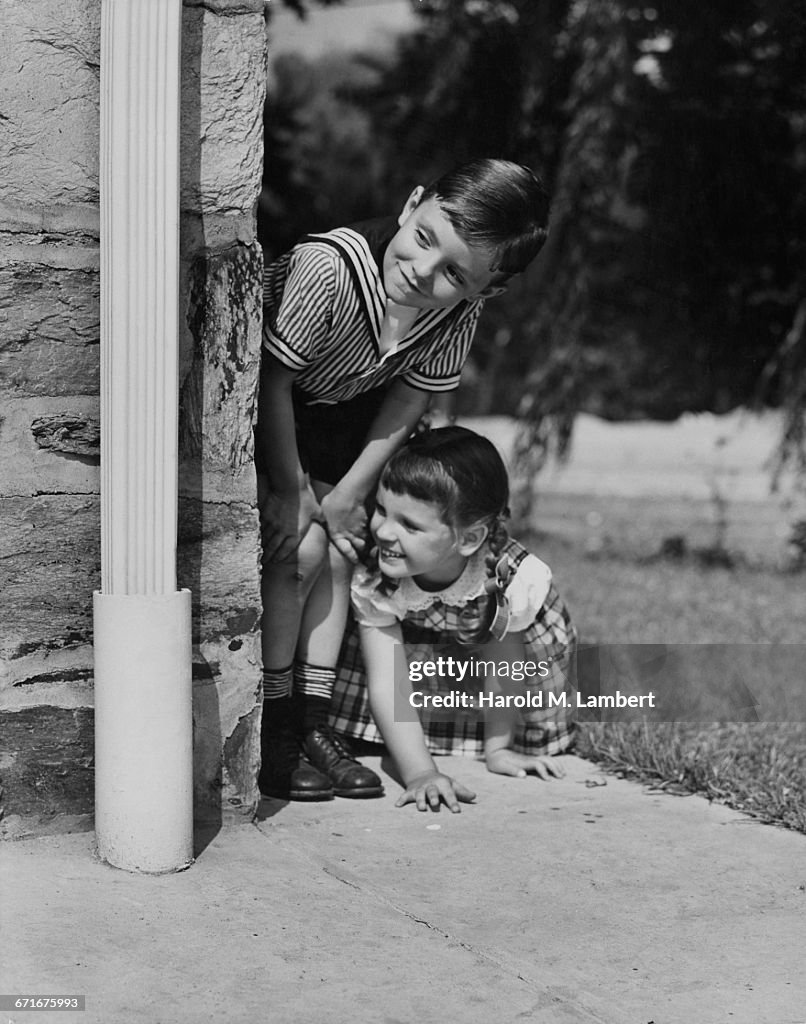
[414,540]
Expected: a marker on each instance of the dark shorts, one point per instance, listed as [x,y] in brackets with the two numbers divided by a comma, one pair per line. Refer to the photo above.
[331,437]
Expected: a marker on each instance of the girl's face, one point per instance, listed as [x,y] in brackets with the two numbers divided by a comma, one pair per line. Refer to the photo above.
[414,540]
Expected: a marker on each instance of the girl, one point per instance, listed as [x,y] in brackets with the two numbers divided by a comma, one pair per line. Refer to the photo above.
[443,579]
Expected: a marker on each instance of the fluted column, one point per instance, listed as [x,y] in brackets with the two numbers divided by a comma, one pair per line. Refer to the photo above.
[144,810]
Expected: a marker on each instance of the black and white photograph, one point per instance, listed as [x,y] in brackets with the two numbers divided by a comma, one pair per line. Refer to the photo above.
[402,511]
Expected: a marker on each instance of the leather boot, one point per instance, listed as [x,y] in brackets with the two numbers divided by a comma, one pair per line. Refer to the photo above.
[285,771]
[329,752]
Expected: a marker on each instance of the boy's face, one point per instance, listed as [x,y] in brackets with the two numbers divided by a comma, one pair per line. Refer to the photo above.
[428,265]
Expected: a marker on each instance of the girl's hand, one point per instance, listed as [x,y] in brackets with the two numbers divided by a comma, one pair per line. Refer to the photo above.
[503,761]
[432,787]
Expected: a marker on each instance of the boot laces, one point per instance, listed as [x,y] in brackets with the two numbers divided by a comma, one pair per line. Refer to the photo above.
[336,748]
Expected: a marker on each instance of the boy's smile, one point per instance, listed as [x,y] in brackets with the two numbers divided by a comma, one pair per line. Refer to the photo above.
[427,265]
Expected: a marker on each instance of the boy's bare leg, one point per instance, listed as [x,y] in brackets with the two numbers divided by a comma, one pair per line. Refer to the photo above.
[285,588]
[325,614]
[320,637]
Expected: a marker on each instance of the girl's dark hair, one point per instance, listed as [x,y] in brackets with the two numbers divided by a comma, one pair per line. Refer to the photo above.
[461,472]
[495,205]
[456,469]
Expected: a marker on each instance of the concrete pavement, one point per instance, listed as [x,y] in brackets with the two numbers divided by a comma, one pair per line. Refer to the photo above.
[586,900]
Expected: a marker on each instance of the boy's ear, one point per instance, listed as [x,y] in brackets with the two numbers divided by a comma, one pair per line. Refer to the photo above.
[411,205]
[495,287]
[472,538]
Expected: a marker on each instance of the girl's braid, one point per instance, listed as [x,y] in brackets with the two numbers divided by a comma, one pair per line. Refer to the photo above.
[475,628]
[496,540]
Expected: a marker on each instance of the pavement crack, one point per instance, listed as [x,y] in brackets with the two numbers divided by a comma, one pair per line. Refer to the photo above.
[340,878]
[581,1012]
[373,893]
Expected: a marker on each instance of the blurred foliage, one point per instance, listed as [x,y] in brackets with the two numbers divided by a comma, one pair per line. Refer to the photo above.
[320,169]
[672,136]
[300,7]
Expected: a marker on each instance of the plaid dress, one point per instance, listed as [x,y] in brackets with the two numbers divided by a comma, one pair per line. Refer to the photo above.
[431,629]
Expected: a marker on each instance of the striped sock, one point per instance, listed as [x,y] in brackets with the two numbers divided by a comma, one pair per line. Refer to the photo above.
[314,680]
[277,683]
[313,685]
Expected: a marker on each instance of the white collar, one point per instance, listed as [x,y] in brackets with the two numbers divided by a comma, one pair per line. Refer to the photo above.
[468,586]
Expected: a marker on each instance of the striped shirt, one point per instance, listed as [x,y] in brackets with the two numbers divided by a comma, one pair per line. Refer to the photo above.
[324,304]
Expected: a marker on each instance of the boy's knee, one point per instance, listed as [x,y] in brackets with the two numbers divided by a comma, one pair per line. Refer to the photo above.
[311,554]
[305,564]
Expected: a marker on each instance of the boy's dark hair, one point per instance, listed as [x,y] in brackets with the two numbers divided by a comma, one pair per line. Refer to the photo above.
[496,205]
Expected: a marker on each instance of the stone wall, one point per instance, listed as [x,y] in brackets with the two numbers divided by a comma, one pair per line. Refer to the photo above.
[49,380]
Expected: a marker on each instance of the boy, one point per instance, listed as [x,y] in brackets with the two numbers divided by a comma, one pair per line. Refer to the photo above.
[362,327]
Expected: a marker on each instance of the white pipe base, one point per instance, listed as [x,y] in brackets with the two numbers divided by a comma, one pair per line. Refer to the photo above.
[144,731]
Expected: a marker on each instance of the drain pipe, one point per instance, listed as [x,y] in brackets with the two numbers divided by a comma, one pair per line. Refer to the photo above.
[142,624]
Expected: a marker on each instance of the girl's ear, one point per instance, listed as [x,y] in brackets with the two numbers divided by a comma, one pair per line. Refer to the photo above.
[411,205]
[472,538]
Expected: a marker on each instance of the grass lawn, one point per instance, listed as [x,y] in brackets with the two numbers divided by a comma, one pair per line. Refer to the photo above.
[697,488]
[604,554]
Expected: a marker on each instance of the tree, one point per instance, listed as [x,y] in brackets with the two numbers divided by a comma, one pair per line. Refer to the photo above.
[581,254]
[672,135]
[468,83]
[320,169]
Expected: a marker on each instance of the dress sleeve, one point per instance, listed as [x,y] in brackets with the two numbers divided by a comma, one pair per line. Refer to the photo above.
[295,328]
[371,608]
[527,592]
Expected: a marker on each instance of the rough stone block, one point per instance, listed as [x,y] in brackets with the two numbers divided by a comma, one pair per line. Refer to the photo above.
[223,88]
[58,673]
[50,558]
[217,561]
[73,222]
[229,7]
[27,468]
[49,88]
[51,326]
[48,768]
[70,433]
[226,727]
[218,397]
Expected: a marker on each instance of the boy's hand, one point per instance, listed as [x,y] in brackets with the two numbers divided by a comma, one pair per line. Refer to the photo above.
[285,519]
[431,788]
[346,520]
[504,761]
